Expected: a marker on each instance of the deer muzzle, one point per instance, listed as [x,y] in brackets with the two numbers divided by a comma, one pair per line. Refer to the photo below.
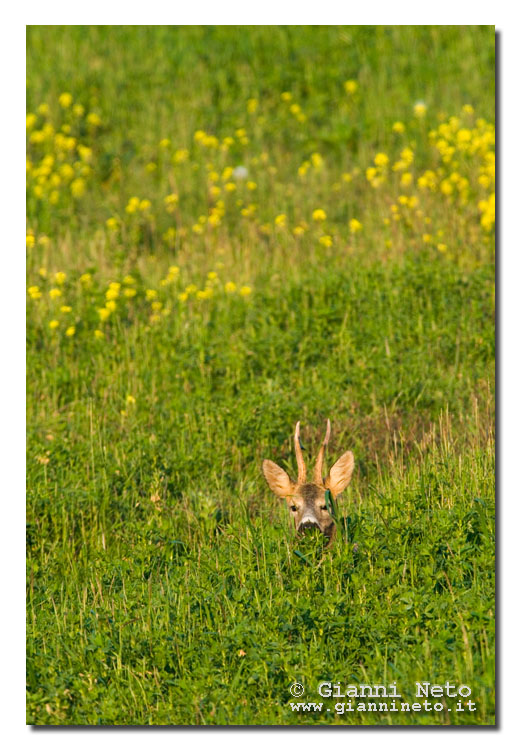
[307,523]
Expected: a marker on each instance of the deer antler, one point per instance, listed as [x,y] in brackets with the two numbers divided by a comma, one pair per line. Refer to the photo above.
[301,468]
[318,469]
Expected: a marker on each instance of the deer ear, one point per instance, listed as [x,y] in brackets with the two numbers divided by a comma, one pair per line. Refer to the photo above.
[278,480]
[340,474]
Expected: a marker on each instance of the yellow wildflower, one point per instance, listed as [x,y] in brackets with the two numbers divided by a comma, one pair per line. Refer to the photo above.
[230,287]
[133,205]
[245,291]
[54,324]
[70,331]
[317,160]
[446,187]
[381,160]
[85,153]
[112,224]
[280,220]
[398,127]
[104,313]
[37,136]
[78,187]
[351,86]
[93,119]
[66,171]
[180,155]
[171,202]
[326,240]
[319,215]
[99,334]
[34,292]
[54,293]
[65,100]
[355,226]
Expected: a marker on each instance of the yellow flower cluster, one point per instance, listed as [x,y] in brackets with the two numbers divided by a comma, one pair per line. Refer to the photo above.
[138,205]
[171,277]
[59,162]
[467,150]
[171,201]
[376,175]
[405,161]
[117,297]
[294,108]
[487,211]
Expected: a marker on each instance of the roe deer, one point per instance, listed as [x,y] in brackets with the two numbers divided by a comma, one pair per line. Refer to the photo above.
[308,501]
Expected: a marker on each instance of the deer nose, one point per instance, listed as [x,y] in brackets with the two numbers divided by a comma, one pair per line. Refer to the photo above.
[308,523]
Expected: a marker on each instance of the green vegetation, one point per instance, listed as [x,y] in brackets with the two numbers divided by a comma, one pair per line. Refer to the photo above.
[230,229]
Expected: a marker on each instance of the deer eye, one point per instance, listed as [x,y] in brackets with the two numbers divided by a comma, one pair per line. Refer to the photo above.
[293,507]
[323,507]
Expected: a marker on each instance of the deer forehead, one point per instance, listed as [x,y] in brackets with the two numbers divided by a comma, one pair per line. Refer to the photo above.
[310,493]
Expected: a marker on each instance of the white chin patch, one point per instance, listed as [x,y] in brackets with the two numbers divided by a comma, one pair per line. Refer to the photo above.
[308,519]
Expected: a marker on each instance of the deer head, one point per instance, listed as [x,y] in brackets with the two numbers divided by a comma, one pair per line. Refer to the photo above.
[306,500]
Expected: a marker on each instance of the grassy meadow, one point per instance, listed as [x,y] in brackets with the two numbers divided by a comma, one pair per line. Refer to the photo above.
[230,229]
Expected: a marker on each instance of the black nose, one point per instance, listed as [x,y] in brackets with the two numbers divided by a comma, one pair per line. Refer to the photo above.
[307,525]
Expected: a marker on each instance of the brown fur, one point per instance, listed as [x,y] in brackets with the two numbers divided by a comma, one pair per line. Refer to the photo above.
[306,500]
